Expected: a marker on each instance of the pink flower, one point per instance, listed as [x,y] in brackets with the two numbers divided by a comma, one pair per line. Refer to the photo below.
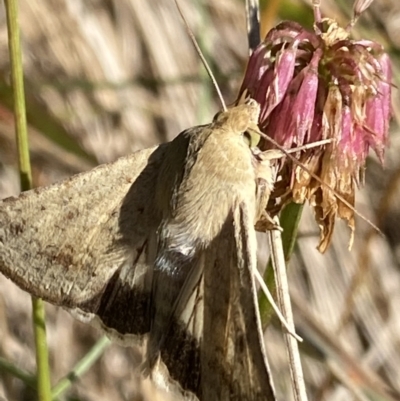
[322,85]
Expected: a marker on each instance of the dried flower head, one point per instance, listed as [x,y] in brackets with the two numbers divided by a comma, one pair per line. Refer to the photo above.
[322,85]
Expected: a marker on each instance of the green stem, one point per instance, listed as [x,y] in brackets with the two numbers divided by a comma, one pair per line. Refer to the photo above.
[81,367]
[290,220]
[43,372]
[8,367]
[14,48]
[42,351]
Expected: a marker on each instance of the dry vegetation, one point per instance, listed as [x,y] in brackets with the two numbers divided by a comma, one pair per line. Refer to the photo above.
[113,76]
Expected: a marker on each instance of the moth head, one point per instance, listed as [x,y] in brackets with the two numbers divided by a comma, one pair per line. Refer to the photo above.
[241,120]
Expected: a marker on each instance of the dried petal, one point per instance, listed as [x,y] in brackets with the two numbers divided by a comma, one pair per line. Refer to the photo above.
[332,114]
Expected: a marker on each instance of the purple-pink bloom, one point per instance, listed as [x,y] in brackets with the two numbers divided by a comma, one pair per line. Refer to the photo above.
[322,85]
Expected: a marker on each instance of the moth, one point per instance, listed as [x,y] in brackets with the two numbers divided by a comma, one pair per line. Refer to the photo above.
[159,249]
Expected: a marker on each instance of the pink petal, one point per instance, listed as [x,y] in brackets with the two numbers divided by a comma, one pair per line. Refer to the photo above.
[283,74]
[316,129]
[262,87]
[256,67]
[302,115]
[378,111]
[278,123]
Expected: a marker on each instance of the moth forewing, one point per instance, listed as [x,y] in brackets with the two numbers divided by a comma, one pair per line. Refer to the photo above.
[236,336]
[75,243]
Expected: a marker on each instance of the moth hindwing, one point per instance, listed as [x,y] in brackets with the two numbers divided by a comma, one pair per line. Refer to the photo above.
[158,246]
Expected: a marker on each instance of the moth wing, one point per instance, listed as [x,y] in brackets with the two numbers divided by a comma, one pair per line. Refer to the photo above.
[214,346]
[88,242]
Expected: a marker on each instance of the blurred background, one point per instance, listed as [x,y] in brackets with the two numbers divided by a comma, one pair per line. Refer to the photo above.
[107,77]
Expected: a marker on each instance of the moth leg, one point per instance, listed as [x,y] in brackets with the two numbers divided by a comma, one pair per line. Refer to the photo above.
[266,222]
[265,178]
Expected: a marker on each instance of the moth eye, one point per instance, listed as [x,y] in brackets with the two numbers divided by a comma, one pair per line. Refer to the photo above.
[251,138]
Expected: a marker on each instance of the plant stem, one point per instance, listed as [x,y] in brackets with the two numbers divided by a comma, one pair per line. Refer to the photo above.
[14,45]
[14,48]
[289,221]
[81,367]
[11,369]
[283,296]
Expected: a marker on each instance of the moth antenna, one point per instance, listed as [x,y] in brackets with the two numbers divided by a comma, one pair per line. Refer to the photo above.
[284,151]
[202,58]
[275,306]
